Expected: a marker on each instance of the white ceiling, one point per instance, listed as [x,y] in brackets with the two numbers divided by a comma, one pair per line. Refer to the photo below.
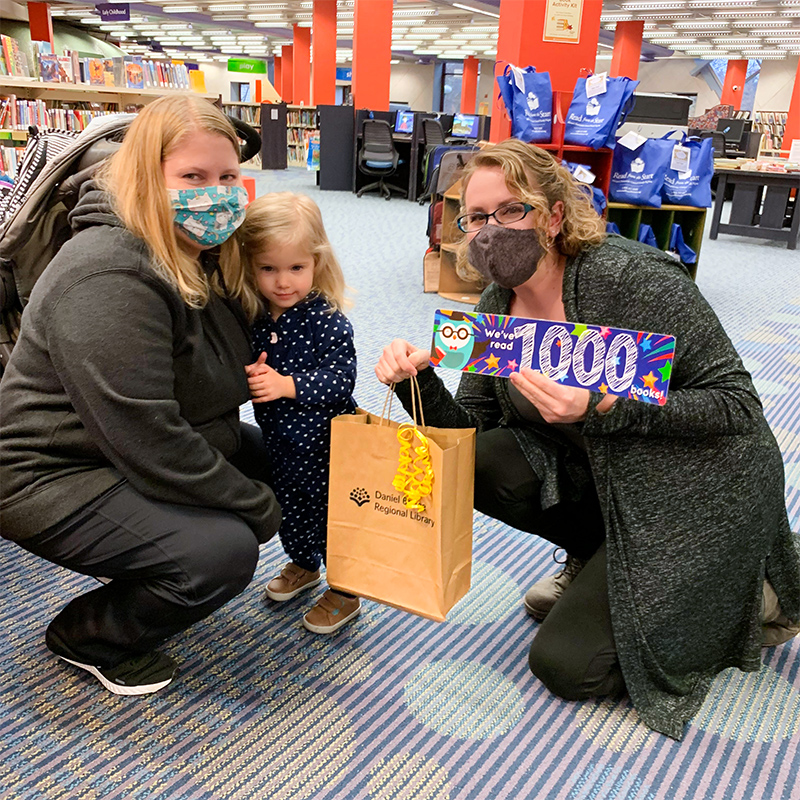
[430,29]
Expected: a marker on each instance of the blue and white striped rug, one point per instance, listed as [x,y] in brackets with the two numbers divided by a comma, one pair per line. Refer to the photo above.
[395,706]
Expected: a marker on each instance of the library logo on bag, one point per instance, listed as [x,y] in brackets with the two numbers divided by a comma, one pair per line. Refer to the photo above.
[593,107]
[637,165]
[533,101]
[359,496]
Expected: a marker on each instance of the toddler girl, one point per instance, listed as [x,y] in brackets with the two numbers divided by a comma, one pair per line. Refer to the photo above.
[303,376]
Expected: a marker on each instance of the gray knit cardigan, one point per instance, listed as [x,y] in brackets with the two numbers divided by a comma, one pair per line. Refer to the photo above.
[692,492]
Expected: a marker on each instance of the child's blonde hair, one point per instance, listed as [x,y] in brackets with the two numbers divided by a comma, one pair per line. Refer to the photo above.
[134,178]
[284,218]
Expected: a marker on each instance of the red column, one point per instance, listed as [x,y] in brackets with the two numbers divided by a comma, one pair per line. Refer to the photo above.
[733,89]
[40,23]
[469,85]
[372,52]
[324,28]
[521,42]
[792,129]
[287,73]
[276,74]
[627,49]
[301,66]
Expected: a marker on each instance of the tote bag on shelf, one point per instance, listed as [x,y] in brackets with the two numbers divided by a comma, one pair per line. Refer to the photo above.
[400,511]
[528,98]
[638,175]
[592,121]
[690,186]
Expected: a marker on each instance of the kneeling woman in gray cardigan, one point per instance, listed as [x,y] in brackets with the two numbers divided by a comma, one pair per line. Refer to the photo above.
[673,516]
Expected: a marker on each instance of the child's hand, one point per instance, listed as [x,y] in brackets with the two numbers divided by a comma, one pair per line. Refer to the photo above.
[258,367]
[266,384]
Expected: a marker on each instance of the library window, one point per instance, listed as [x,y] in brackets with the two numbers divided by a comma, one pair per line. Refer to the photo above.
[240,92]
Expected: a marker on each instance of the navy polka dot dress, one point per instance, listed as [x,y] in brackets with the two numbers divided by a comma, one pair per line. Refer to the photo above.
[314,346]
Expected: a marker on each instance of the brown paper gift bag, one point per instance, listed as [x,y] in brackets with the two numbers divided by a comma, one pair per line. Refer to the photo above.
[379,548]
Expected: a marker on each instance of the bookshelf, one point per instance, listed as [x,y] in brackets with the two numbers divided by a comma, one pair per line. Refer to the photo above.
[771,124]
[302,122]
[246,112]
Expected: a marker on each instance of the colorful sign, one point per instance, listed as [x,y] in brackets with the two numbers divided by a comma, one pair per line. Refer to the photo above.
[114,12]
[251,65]
[562,21]
[632,364]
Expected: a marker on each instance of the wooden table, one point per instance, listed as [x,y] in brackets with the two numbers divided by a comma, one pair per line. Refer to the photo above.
[762,204]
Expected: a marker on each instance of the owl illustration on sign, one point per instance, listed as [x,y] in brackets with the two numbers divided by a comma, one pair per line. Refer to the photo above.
[593,107]
[452,344]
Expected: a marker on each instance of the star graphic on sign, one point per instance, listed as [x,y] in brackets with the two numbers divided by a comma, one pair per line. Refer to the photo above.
[603,388]
[616,361]
[649,380]
[646,345]
[471,368]
[493,362]
[604,331]
[512,365]
[561,377]
[579,330]
[558,342]
[666,371]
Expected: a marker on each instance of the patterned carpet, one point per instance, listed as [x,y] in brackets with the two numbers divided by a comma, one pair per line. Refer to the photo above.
[396,706]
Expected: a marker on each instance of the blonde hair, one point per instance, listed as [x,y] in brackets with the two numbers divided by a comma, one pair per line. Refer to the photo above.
[135,181]
[533,175]
[287,219]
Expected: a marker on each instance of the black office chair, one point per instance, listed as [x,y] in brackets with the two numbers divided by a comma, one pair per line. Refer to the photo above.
[433,137]
[378,156]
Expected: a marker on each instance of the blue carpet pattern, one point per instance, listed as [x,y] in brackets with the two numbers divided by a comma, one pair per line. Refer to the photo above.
[396,707]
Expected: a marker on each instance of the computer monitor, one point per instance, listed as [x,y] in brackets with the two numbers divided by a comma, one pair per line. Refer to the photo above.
[404,122]
[732,130]
[465,126]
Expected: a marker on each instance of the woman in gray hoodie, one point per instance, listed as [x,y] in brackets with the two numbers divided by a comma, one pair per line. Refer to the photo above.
[122,452]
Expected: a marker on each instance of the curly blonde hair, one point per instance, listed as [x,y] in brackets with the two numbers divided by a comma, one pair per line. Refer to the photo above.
[284,218]
[535,177]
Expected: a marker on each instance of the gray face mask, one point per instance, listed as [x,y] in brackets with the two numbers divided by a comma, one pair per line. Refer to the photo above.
[507,256]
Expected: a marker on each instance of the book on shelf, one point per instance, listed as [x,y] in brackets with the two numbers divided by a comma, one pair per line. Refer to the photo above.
[97,71]
[49,68]
[15,60]
[134,72]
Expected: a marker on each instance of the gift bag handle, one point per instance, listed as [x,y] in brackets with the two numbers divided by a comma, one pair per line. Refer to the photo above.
[416,401]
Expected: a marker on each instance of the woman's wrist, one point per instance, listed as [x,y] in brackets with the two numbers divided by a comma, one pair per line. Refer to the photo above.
[604,406]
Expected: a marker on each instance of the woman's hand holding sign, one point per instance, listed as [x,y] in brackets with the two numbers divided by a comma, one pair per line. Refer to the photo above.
[556,402]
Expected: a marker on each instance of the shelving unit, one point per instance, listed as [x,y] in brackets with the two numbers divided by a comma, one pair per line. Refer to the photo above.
[301,123]
[771,124]
[440,268]
[691,219]
[246,112]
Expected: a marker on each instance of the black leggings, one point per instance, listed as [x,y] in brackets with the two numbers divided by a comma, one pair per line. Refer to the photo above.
[573,653]
[170,565]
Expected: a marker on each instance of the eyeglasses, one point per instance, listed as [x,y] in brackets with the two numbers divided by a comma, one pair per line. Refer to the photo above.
[505,215]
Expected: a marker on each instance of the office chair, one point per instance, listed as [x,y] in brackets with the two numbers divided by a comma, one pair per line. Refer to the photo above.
[379,157]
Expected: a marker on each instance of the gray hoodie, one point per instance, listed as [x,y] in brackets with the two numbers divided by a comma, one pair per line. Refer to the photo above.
[115,378]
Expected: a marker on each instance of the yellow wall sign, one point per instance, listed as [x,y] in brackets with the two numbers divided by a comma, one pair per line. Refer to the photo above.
[562,21]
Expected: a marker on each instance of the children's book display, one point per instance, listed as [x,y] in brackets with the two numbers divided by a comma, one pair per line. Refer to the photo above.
[626,363]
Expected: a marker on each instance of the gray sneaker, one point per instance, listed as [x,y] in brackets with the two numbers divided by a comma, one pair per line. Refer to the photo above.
[542,596]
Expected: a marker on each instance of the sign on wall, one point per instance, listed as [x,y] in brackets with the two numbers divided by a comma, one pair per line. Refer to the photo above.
[114,12]
[251,65]
[562,21]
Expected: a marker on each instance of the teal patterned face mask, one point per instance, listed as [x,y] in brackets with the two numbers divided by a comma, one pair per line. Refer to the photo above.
[209,215]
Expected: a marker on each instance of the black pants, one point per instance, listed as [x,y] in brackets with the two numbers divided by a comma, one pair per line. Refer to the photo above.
[170,565]
[573,654]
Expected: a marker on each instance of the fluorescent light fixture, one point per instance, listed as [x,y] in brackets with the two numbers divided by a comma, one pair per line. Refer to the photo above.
[735,40]
[426,52]
[764,23]
[604,55]
[476,10]
[431,29]
[262,17]
[404,47]
[226,7]
[744,14]
[616,17]
[699,24]
[414,12]
[89,20]
[652,15]
[644,6]
[428,36]
[394,61]
[181,9]
[768,32]
[719,3]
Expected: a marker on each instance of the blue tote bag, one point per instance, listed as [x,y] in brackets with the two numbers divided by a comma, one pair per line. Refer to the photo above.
[528,97]
[647,235]
[637,176]
[679,246]
[692,187]
[593,121]
[595,195]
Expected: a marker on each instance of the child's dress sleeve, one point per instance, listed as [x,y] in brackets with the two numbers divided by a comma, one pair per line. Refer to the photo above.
[334,379]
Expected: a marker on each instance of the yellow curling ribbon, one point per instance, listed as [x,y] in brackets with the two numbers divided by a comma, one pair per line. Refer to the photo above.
[414,476]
